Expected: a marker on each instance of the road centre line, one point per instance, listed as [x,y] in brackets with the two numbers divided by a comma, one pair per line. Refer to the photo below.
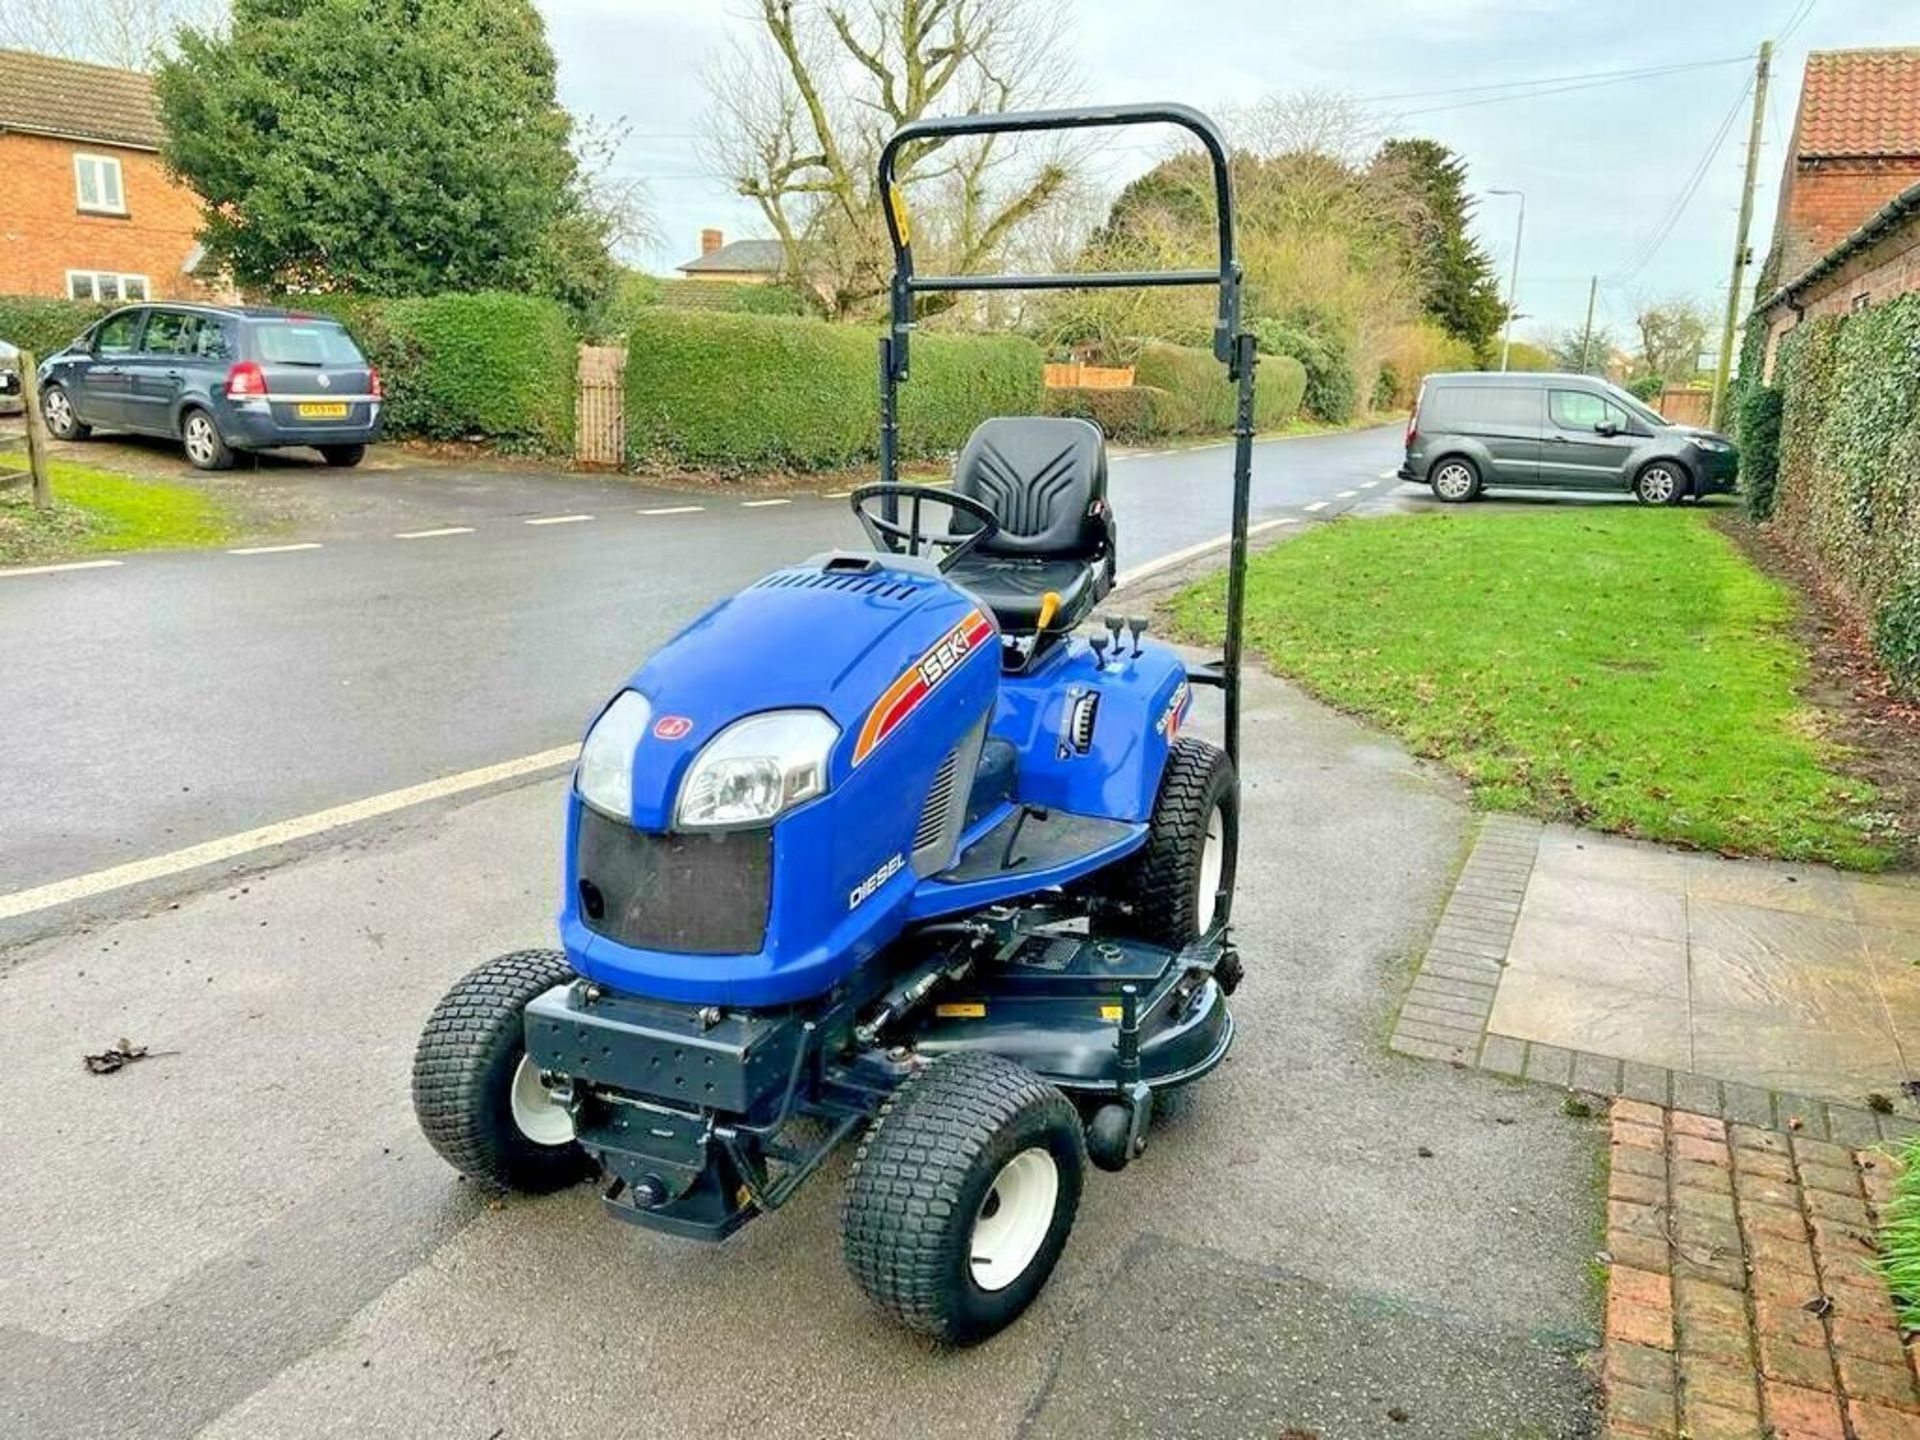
[1346,494]
[1388,474]
[1316,505]
[558,519]
[434,534]
[674,510]
[275,549]
[762,504]
[57,569]
[232,847]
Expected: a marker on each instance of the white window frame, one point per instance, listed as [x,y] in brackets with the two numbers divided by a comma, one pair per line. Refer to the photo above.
[103,166]
[93,279]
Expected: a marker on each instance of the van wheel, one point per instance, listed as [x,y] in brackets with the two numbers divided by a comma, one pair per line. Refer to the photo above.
[201,439]
[1661,483]
[62,422]
[1455,480]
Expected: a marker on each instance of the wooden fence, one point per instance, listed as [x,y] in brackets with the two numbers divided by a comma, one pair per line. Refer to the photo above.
[600,415]
[23,457]
[1075,376]
[1683,406]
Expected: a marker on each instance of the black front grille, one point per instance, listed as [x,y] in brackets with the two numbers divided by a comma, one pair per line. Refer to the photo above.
[694,894]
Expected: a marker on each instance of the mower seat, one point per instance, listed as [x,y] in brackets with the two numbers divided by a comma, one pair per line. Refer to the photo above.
[1045,479]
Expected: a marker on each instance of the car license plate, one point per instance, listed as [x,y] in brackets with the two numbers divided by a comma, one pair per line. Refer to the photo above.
[331,410]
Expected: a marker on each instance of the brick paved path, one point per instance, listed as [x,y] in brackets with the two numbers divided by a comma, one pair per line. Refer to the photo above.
[1742,1302]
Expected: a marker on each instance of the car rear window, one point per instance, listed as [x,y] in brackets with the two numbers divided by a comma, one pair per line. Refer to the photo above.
[305,342]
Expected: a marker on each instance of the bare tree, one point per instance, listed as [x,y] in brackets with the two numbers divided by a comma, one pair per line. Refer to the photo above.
[130,34]
[619,201]
[801,112]
[1672,334]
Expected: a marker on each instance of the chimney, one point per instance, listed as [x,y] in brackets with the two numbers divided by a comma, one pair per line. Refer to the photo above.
[710,241]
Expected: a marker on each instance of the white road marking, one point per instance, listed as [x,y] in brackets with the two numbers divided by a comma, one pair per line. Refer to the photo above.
[1346,494]
[558,519]
[434,534]
[1180,557]
[761,504]
[674,510]
[1388,474]
[275,549]
[1316,505]
[232,847]
[57,569]
[1368,484]
[835,494]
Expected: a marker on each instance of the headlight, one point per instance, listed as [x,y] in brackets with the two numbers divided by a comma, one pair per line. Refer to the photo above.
[756,768]
[604,776]
[1711,445]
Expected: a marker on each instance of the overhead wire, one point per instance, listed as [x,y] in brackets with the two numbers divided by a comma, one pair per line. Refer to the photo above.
[1657,237]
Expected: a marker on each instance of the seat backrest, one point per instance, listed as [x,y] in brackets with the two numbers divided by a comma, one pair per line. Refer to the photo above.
[1045,478]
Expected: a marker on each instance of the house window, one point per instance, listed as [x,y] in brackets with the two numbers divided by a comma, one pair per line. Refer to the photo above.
[96,182]
[105,285]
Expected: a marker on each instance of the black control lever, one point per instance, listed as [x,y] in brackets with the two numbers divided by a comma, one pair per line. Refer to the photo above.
[1136,626]
[1113,625]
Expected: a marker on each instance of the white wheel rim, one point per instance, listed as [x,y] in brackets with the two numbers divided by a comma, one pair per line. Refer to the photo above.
[58,412]
[199,437]
[535,1113]
[1659,484]
[1454,481]
[1014,1218]
[1213,859]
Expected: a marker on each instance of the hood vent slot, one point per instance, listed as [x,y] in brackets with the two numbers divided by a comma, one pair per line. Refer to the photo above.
[933,815]
[879,587]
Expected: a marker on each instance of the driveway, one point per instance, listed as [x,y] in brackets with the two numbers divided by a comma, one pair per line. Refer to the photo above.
[245,1235]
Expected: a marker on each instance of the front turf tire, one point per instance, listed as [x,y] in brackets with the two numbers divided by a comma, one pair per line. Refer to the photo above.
[1169,884]
[971,1161]
[465,1069]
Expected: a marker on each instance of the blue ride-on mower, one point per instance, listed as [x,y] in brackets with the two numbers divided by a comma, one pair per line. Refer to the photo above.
[890,844]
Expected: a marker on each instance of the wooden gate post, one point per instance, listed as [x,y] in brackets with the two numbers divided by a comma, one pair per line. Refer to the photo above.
[36,433]
[600,416]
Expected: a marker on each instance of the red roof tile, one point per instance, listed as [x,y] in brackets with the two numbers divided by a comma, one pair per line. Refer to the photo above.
[44,95]
[1860,104]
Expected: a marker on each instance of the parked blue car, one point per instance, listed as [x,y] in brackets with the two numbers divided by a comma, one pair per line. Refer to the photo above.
[222,380]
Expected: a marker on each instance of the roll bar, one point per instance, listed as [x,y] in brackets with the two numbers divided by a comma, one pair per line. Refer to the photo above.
[1231,345]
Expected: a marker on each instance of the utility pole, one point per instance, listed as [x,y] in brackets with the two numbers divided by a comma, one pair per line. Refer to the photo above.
[1513,276]
[1586,336]
[1715,416]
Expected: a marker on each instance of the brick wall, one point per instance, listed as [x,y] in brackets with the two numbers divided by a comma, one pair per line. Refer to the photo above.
[44,234]
[1827,200]
[1876,275]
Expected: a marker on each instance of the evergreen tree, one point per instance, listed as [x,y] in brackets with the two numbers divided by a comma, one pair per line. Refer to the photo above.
[1462,290]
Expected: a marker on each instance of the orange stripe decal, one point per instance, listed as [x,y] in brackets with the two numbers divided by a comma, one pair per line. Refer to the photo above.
[913,686]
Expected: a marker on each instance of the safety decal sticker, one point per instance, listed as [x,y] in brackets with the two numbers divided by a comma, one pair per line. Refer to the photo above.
[904,696]
[671,727]
[1176,711]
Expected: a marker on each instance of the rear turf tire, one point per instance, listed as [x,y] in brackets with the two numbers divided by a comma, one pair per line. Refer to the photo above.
[1454,480]
[1169,884]
[343,457]
[471,1059]
[974,1161]
[63,423]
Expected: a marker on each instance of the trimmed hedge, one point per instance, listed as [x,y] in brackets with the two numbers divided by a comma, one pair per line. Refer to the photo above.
[1199,397]
[1332,390]
[1848,489]
[493,367]
[28,322]
[736,392]
[1129,414]
[1758,422]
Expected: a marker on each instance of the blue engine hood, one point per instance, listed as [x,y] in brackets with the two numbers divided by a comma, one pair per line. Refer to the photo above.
[823,636]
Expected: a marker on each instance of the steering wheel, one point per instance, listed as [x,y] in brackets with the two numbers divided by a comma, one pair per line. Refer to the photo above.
[910,539]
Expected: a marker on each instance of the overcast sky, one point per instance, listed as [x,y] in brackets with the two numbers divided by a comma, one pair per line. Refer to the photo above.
[1601,165]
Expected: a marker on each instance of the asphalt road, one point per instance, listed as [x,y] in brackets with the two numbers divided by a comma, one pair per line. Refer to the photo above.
[245,1235]
[177,698]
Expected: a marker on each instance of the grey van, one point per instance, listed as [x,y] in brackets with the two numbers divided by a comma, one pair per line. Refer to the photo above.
[222,380]
[1472,431]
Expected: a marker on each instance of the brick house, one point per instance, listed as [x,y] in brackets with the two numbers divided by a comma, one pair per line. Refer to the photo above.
[87,210]
[1848,230]
[743,262]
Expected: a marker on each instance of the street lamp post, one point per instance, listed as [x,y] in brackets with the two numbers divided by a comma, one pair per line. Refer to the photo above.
[1513,278]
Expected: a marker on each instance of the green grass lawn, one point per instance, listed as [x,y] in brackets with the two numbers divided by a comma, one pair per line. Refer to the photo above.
[96,510]
[1900,1240]
[1622,668]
